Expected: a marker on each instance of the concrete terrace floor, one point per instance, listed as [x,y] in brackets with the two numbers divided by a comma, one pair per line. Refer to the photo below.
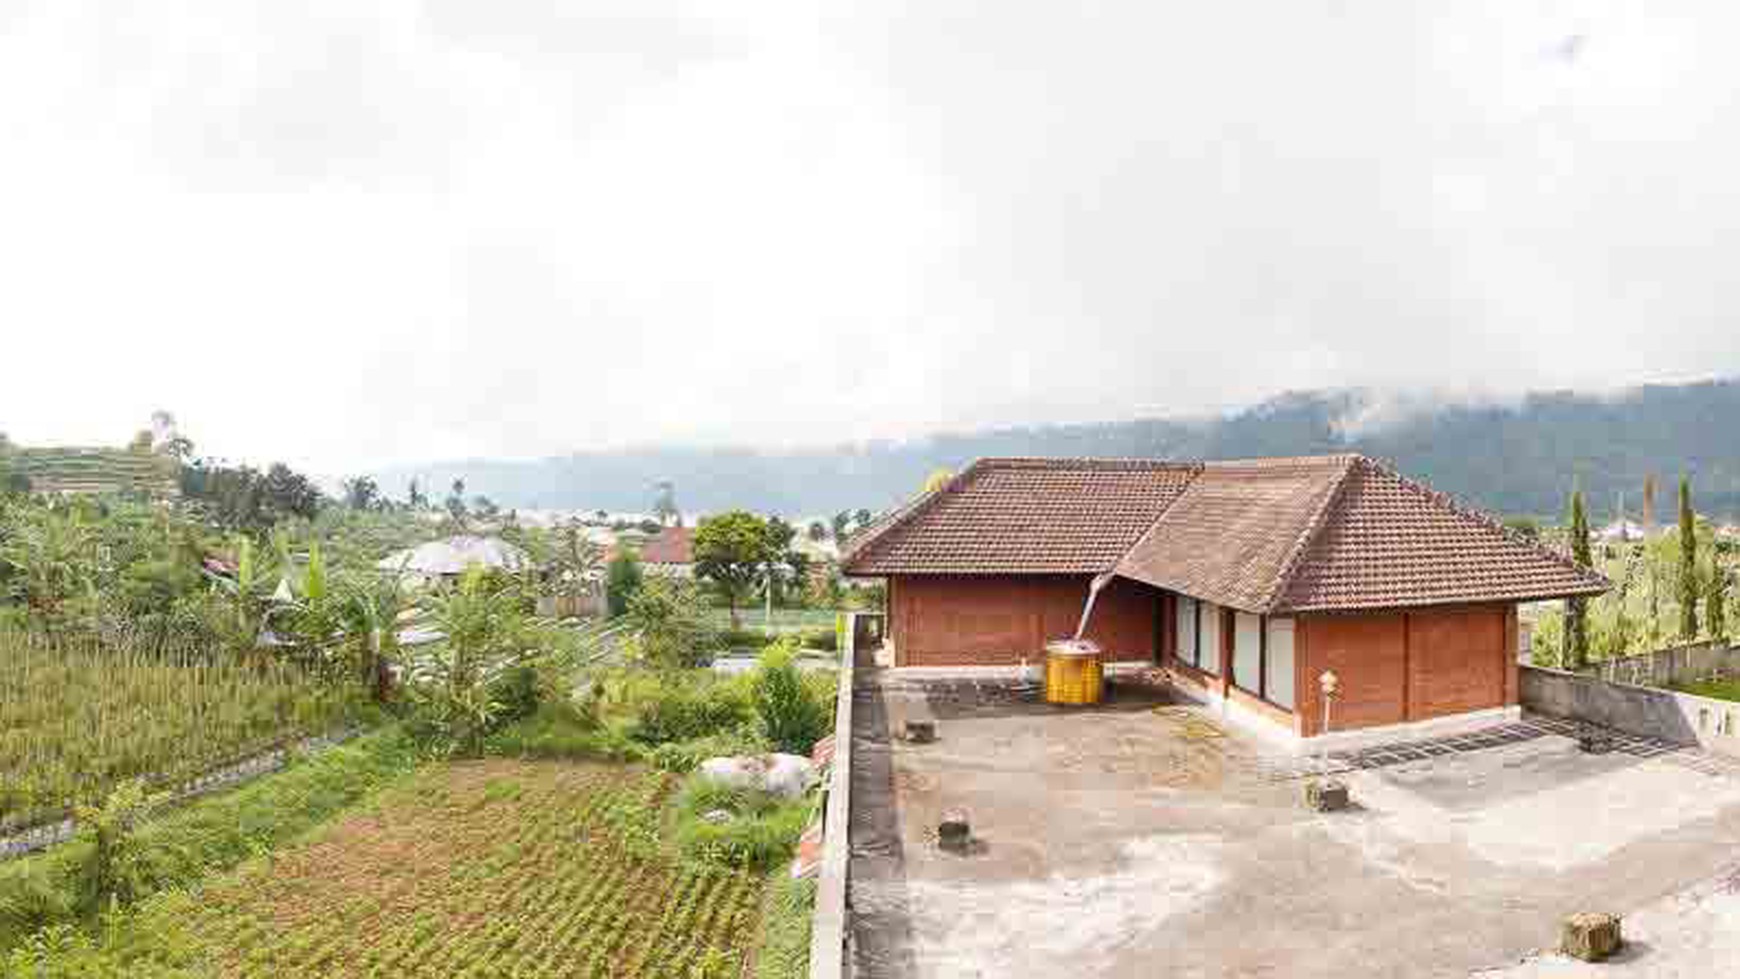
[1142,838]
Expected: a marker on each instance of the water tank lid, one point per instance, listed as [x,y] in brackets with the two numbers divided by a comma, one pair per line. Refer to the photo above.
[1072,647]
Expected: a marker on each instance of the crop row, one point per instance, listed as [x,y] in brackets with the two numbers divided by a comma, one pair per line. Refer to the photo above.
[77,716]
[489,869]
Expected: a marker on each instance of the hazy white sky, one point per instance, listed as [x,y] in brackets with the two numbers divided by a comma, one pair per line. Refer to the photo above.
[348,234]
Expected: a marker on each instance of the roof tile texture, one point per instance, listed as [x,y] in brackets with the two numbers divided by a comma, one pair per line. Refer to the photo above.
[1004,516]
[672,545]
[1232,536]
[1319,533]
[1389,541]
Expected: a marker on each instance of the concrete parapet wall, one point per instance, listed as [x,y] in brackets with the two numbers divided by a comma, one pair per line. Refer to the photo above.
[1647,711]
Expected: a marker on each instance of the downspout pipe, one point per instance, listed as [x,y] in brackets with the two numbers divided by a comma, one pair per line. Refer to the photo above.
[1099,581]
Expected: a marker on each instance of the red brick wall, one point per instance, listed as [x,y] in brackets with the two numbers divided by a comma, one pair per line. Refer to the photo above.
[946,620]
[1396,667]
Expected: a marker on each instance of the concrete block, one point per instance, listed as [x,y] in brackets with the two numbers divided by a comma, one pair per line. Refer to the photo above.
[1326,795]
[1591,936]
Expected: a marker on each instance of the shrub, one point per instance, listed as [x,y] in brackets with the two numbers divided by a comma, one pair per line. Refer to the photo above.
[556,730]
[683,757]
[212,834]
[742,638]
[670,618]
[792,713]
[763,829]
[823,639]
[516,693]
[683,711]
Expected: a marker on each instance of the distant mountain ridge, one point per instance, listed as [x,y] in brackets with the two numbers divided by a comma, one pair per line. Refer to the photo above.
[1515,458]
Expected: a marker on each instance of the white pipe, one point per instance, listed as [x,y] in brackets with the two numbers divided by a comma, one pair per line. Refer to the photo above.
[1099,581]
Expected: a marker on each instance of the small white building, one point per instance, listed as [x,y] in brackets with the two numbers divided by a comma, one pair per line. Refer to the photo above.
[446,559]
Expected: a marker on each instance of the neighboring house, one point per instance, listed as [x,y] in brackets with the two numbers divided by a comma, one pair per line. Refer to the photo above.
[447,559]
[670,552]
[1620,531]
[1245,580]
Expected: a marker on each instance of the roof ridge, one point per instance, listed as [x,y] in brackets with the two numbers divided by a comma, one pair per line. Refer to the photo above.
[1313,527]
[1463,510]
[1195,470]
[1085,462]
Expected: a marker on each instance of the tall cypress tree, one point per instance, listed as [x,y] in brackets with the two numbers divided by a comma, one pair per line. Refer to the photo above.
[1576,609]
[1716,602]
[1688,564]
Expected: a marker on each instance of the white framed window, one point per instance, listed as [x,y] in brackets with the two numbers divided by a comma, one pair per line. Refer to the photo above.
[1247,664]
[1186,613]
[1208,637]
[1278,663]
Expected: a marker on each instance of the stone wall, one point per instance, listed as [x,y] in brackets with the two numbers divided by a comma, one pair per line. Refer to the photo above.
[1647,711]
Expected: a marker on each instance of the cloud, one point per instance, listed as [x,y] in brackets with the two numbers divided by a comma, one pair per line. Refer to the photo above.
[355,235]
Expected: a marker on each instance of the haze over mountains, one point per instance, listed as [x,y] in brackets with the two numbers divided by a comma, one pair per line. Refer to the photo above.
[1515,458]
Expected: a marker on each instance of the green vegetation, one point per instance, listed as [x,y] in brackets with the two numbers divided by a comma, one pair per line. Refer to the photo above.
[787,918]
[1689,591]
[1576,609]
[1728,689]
[733,551]
[56,887]
[78,717]
[486,868]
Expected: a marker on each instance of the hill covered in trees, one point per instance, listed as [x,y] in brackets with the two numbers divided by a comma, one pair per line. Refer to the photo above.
[1515,458]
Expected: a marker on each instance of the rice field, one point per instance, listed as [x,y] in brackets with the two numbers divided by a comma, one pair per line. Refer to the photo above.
[490,868]
[76,717]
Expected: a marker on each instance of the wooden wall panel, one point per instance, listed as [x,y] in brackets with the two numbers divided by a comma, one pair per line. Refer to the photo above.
[1456,660]
[1367,652]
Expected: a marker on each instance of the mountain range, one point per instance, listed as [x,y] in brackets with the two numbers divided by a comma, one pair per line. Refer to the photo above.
[1519,457]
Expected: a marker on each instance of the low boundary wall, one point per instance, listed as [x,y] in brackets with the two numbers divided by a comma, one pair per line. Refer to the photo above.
[1681,718]
[828,929]
[1682,664]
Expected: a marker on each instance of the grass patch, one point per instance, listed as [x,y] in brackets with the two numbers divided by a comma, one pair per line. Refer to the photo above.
[1717,689]
[787,917]
[205,836]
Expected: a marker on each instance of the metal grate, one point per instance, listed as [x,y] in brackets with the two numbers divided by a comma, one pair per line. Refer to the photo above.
[1503,735]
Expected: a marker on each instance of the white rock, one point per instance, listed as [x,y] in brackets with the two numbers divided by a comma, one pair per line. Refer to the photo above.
[786,776]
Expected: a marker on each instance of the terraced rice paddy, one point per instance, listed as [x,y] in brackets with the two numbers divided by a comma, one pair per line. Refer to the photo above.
[493,868]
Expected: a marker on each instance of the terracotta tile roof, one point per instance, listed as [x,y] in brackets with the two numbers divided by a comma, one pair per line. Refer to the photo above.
[1390,541]
[1022,516]
[672,545]
[1232,536]
[1316,533]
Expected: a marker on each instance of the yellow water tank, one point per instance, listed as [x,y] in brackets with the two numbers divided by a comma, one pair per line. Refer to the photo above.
[1074,673]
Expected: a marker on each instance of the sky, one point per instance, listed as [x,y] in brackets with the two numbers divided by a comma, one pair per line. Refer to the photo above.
[353,234]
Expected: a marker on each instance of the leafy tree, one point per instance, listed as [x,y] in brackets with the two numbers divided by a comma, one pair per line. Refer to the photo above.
[862,518]
[578,563]
[1688,576]
[817,531]
[670,618]
[1576,609]
[369,608]
[622,581]
[483,633]
[732,550]
[50,555]
[842,521]
[415,498]
[362,493]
